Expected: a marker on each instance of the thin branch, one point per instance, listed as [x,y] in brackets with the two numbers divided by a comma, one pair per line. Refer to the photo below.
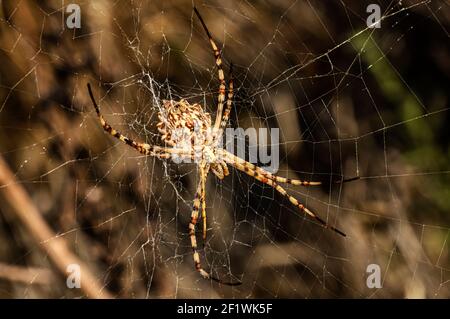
[55,247]
[27,275]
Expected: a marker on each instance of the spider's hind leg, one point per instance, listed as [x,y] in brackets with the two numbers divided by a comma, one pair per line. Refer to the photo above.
[143,148]
[220,74]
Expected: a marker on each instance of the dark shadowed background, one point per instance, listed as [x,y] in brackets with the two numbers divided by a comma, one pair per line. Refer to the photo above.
[349,101]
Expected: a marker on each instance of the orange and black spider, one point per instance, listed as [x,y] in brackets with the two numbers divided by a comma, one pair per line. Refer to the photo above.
[196,124]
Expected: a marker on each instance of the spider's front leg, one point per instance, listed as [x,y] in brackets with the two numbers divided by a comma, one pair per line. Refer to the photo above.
[204,169]
[201,200]
[194,218]
[230,158]
[269,179]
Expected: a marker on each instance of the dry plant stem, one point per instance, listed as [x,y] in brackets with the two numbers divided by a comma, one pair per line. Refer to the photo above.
[55,247]
[27,275]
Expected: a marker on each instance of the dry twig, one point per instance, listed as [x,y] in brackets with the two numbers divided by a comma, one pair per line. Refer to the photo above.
[55,247]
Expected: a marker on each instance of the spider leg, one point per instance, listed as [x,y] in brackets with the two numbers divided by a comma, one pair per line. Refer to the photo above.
[192,224]
[230,158]
[275,178]
[217,56]
[217,169]
[282,191]
[226,172]
[199,199]
[226,113]
[143,148]
[203,174]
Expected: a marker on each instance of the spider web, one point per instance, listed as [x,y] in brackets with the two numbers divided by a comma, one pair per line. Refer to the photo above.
[349,101]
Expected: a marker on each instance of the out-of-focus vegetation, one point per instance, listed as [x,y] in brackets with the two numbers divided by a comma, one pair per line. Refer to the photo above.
[375,105]
[423,147]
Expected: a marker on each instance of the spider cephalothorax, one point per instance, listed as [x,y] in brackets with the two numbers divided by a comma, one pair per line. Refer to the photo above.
[190,134]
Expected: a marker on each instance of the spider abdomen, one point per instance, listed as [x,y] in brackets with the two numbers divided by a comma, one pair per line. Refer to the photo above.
[184,125]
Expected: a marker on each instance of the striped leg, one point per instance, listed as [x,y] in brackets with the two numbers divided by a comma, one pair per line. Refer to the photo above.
[230,158]
[192,224]
[282,191]
[143,148]
[226,172]
[217,56]
[203,174]
[200,199]
[226,113]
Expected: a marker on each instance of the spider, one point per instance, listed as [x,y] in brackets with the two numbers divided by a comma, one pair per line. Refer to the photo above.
[196,124]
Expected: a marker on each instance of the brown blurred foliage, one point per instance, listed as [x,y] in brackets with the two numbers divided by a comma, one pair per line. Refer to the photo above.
[299,67]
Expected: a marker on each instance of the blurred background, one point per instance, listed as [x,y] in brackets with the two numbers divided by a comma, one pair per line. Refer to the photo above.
[349,101]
